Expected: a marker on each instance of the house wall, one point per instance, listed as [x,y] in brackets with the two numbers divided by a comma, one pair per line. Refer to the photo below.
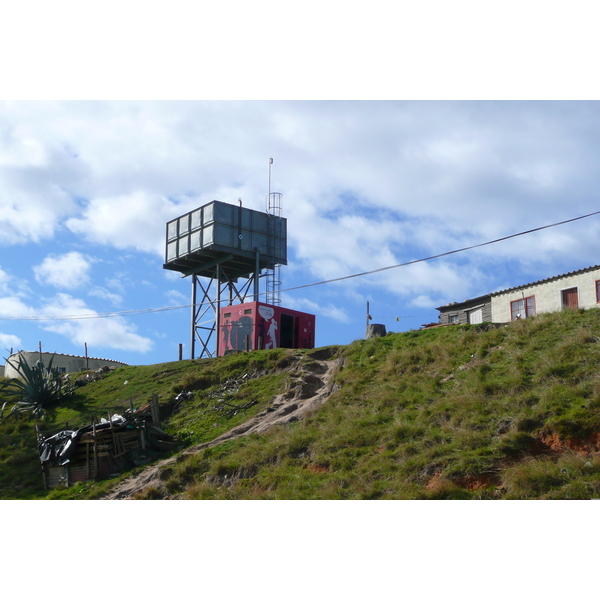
[548,297]
[463,309]
[71,364]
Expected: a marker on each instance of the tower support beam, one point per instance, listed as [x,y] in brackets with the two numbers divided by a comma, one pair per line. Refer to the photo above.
[206,306]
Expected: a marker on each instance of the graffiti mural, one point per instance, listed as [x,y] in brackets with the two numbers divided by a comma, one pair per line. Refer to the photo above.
[254,325]
[267,326]
[236,332]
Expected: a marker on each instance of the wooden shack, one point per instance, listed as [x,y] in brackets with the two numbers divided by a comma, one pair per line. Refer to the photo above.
[104,449]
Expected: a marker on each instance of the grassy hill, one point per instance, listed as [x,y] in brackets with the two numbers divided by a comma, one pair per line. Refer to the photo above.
[455,412]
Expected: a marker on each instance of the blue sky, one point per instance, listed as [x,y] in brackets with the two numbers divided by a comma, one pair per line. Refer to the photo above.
[86,188]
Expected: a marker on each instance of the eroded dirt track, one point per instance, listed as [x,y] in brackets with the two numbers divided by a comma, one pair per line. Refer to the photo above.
[308,390]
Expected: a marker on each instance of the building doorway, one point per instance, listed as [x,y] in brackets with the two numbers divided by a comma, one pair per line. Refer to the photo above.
[476,316]
[286,332]
[570,298]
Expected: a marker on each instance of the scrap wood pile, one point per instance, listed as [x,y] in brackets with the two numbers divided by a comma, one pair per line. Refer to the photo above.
[103,449]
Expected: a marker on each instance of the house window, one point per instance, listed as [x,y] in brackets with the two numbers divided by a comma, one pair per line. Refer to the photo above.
[452,319]
[62,369]
[598,290]
[523,308]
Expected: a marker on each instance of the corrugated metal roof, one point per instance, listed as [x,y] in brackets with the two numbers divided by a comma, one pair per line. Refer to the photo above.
[477,299]
[518,287]
[548,279]
[69,356]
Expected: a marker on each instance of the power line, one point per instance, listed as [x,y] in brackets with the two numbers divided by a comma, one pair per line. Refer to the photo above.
[298,287]
[96,315]
[412,262]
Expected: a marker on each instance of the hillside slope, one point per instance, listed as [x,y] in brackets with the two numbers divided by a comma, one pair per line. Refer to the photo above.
[459,412]
[310,387]
[455,412]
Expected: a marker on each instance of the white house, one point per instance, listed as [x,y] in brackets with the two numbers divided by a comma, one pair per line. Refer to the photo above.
[578,289]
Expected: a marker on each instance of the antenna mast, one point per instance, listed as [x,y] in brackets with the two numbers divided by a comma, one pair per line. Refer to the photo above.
[273,285]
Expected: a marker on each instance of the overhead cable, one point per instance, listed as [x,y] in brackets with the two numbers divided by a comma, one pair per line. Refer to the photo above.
[298,287]
[412,262]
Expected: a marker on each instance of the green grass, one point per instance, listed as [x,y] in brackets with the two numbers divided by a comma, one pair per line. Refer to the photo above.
[193,421]
[449,413]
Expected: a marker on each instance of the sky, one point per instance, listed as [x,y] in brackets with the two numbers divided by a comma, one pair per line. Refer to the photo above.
[398,131]
[86,188]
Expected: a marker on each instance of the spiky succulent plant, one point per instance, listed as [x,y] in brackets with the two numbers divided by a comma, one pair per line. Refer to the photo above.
[36,388]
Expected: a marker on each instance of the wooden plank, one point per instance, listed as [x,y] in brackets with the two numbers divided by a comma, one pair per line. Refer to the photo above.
[154,410]
[112,429]
[164,445]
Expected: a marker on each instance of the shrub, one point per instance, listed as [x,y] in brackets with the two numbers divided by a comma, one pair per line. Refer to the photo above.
[39,386]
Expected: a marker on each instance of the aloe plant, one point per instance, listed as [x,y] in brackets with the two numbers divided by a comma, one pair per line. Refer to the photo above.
[37,387]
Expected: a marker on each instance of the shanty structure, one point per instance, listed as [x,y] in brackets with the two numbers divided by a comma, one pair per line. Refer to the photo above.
[104,449]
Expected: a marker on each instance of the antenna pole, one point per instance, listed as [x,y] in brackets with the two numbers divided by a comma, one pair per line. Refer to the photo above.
[273,282]
[269,194]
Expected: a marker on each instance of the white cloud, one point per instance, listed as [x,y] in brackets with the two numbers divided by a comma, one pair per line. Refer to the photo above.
[175,297]
[422,302]
[12,286]
[114,332]
[329,310]
[133,221]
[171,276]
[11,306]
[66,271]
[31,215]
[347,244]
[4,277]
[98,292]
[8,341]
[116,283]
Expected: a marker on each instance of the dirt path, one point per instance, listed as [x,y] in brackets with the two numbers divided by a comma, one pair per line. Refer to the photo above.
[309,390]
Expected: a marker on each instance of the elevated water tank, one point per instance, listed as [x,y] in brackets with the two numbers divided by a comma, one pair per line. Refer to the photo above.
[224,233]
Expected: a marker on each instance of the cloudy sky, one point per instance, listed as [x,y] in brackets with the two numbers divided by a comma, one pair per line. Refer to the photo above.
[86,188]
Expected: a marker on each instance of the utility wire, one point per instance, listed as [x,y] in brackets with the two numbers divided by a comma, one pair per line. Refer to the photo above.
[96,315]
[412,262]
[298,287]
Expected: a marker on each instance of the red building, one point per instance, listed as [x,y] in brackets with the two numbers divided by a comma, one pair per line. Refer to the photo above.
[259,326]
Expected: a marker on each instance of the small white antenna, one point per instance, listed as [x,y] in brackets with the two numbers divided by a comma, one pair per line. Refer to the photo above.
[273,283]
[269,187]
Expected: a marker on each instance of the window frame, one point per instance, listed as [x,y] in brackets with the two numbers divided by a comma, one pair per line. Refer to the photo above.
[597,291]
[529,310]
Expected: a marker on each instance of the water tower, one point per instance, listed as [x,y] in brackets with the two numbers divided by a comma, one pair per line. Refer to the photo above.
[224,248]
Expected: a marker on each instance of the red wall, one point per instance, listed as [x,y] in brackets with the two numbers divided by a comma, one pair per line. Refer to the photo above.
[264,326]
